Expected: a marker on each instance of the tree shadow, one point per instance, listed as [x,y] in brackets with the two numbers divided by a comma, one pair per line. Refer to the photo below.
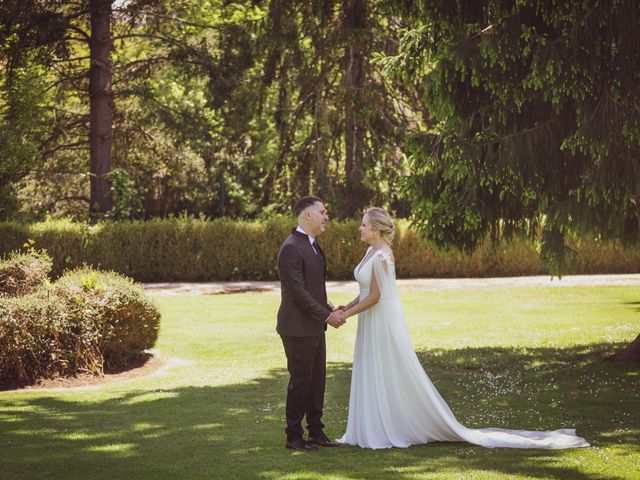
[143,364]
[236,431]
[637,304]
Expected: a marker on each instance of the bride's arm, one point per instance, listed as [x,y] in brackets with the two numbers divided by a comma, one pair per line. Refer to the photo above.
[366,303]
[352,303]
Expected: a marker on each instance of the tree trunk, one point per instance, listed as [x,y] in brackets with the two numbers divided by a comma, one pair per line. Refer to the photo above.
[321,185]
[281,119]
[631,353]
[355,23]
[101,108]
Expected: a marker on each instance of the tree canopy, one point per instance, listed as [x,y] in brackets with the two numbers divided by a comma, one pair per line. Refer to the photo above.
[476,118]
[220,108]
[535,120]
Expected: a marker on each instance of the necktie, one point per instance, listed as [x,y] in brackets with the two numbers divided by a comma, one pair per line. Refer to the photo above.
[315,247]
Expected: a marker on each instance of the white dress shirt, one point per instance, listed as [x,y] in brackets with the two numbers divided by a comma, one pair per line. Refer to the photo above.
[311,239]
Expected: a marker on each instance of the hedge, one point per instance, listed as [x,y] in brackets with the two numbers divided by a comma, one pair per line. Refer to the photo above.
[193,249]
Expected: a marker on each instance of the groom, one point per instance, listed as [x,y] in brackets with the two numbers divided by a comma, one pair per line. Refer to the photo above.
[302,320]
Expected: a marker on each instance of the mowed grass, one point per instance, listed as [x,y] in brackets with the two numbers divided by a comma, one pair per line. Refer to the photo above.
[527,358]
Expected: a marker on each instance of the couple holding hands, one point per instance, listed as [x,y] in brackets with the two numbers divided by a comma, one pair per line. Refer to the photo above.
[392,402]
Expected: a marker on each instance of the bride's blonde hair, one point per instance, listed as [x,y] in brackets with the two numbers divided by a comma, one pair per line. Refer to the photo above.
[382,221]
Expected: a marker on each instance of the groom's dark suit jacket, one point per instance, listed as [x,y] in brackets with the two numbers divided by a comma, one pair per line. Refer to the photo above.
[303,309]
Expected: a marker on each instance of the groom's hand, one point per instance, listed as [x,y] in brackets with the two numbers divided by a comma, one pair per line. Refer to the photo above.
[336,319]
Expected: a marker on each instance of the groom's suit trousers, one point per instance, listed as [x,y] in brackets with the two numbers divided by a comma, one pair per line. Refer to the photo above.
[306,362]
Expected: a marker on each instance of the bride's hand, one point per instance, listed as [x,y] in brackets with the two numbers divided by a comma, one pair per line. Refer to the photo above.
[335,319]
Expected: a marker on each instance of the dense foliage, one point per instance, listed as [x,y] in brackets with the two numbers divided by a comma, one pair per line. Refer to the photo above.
[515,116]
[85,322]
[536,123]
[225,109]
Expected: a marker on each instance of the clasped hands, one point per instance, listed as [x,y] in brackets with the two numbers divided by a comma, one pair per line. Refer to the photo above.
[337,317]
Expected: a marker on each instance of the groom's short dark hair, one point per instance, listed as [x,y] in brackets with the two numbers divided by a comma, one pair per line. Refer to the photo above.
[305,202]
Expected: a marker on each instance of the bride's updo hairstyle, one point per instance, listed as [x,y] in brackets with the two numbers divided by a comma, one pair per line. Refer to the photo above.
[382,221]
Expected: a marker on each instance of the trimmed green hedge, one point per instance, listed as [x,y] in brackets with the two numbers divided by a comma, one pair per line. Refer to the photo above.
[190,249]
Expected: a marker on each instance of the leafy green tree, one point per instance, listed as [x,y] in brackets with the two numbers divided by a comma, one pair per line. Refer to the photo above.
[41,36]
[226,109]
[536,124]
[203,99]
[29,36]
[338,121]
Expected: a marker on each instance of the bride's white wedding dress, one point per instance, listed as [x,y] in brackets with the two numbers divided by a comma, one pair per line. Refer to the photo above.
[392,402]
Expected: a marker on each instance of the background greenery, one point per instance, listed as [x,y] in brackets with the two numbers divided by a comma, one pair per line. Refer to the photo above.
[222,108]
[531,359]
[191,249]
[475,118]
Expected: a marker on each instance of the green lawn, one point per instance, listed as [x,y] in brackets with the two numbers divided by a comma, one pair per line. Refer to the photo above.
[520,358]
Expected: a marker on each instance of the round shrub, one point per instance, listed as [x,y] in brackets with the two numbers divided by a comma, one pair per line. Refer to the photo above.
[86,321]
[32,329]
[23,273]
[121,316]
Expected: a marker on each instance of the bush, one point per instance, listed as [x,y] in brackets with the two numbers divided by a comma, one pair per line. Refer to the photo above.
[342,247]
[86,321]
[23,273]
[66,242]
[31,330]
[112,314]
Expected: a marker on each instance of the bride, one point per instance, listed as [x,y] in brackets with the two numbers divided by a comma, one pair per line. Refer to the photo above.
[392,401]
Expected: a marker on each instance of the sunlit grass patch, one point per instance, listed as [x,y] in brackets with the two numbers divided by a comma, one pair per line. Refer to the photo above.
[525,358]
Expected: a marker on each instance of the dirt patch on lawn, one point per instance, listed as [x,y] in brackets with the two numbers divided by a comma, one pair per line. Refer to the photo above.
[406,284]
[210,288]
[148,365]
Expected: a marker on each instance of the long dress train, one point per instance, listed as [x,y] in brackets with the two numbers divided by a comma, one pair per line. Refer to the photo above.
[392,401]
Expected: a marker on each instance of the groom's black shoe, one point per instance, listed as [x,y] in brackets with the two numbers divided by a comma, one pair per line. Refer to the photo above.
[300,445]
[322,440]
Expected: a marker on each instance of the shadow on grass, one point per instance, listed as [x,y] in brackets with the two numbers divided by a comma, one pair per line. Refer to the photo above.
[236,431]
[637,304]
